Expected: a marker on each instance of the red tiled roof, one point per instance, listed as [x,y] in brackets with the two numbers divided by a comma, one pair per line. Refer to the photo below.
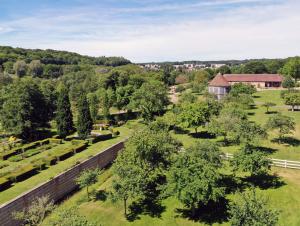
[219,80]
[253,77]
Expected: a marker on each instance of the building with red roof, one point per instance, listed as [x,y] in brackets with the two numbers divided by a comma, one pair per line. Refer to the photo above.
[221,84]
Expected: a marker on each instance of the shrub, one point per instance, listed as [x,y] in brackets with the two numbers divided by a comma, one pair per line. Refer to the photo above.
[116,133]
[3,165]
[65,154]
[16,158]
[22,173]
[39,164]
[12,152]
[101,138]
[50,160]
[179,89]
[80,147]
[4,183]
[31,146]
[32,153]
[55,141]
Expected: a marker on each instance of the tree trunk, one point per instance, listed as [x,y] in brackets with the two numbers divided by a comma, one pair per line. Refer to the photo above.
[196,130]
[293,107]
[193,211]
[87,191]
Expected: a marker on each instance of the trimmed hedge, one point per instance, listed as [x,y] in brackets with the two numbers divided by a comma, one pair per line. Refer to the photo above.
[22,174]
[80,147]
[99,138]
[16,158]
[12,152]
[55,141]
[65,154]
[50,160]
[4,183]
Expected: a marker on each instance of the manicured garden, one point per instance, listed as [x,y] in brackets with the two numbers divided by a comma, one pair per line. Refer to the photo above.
[24,167]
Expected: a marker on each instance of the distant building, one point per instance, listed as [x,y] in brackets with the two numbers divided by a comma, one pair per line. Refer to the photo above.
[217,65]
[221,84]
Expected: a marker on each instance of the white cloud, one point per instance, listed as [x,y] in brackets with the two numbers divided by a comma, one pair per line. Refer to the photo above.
[243,32]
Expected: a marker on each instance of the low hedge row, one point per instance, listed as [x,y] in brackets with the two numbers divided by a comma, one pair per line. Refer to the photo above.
[24,148]
[99,138]
[4,183]
[22,173]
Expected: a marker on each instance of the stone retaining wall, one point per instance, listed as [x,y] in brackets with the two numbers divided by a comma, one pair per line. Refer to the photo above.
[58,187]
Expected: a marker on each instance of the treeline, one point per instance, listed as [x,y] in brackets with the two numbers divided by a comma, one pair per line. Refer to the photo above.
[48,63]
[28,104]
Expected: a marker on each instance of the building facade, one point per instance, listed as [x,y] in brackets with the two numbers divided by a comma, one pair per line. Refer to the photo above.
[221,84]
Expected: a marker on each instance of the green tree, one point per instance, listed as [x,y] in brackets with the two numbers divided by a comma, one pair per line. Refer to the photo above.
[288,82]
[193,115]
[250,159]
[292,99]
[123,95]
[94,102]
[151,98]
[35,68]
[70,217]
[141,167]
[131,179]
[187,97]
[36,212]
[84,120]
[267,105]
[194,179]
[255,67]
[282,123]
[20,68]
[241,88]
[292,68]
[64,117]
[224,70]
[249,209]
[24,109]
[87,178]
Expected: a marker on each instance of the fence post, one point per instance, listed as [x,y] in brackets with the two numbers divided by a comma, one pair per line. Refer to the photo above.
[285,163]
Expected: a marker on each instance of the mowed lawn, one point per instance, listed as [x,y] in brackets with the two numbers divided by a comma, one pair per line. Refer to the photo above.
[51,172]
[288,151]
[285,199]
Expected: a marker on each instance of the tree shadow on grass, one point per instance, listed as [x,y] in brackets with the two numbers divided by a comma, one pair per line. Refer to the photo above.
[202,135]
[287,140]
[101,195]
[265,181]
[266,150]
[152,208]
[251,113]
[178,130]
[271,112]
[213,212]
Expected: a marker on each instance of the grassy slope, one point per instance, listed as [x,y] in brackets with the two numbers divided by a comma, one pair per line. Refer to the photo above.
[45,175]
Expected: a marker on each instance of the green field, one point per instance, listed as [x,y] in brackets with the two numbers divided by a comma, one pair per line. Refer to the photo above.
[284,194]
[52,171]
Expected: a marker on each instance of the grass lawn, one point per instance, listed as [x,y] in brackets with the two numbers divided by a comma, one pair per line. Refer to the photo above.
[51,172]
[285,199]
[289,151]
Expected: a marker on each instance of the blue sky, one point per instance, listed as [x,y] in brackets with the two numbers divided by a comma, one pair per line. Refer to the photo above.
[155,30]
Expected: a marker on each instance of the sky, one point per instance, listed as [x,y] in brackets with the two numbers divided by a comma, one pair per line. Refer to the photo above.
[155,30]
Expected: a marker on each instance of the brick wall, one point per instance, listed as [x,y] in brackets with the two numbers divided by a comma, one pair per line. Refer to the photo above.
[58,187]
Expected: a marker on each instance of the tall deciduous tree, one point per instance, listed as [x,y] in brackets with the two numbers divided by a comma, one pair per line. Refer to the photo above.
[20,68]
[151,98]
[267,105]
[24,109]
[292,99]
[88,178]
[35,68]
[250,159]
[194,177]
[250,209]
[193,115]
[93,101]
[292,68]
[64,117]
[84,120]
[283,123]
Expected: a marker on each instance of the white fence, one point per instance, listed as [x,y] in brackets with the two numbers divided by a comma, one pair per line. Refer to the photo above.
[275,162]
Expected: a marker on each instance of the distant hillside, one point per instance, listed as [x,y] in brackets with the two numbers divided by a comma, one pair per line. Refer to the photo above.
[10,54]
